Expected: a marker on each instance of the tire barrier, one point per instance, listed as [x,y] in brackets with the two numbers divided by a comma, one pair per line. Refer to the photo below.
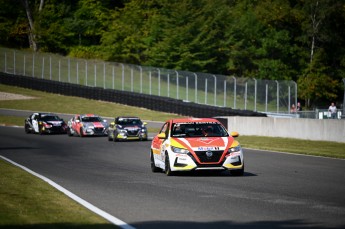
[152,102]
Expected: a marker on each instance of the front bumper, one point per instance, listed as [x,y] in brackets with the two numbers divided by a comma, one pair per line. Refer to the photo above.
[188,162]
[126,136]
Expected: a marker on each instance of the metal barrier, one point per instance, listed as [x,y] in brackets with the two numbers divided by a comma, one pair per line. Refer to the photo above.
[202,88]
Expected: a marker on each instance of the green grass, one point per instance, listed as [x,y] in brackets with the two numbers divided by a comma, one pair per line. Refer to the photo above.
[28,202]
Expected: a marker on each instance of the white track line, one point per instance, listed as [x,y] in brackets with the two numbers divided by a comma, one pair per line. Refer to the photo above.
[86,204]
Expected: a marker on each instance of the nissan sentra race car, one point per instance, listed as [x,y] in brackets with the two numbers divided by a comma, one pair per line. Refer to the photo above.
[87,125]
[195,144]
[127,128]
[45,123]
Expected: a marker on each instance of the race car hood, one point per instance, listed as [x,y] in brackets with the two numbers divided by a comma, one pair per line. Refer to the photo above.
[94,124]
[203,143]
[131,127]
[55,123]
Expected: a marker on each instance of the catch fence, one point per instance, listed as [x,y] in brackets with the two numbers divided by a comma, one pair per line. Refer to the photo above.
[270,96]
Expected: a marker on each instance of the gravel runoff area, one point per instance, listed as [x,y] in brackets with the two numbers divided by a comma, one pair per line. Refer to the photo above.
[12,96]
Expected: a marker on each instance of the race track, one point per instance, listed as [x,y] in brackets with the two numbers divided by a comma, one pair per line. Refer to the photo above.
[277,191]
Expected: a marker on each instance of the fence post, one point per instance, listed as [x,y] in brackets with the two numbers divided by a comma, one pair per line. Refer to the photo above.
[245,96]
[215,90]
[234,91]
[168,76]
[196,87]
[206,91]
[177,86]
[24,65]
[123,77]
[14,62]
[141,79]
[256,92]
[277,96]
[159,82]
[187,88]
[343,114]
[224,102]
[42,68]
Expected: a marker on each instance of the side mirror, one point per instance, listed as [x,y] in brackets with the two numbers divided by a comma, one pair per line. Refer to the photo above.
[161,136]
[234,134]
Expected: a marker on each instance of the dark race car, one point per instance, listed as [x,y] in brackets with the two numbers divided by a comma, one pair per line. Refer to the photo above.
[45,123]
[127,128]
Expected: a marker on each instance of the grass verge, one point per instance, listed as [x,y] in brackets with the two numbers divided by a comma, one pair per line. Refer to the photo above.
[28,202]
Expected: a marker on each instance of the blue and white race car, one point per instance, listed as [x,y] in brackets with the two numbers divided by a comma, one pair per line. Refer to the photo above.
[127,128]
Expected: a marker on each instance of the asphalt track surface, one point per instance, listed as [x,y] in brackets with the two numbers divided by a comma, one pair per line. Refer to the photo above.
[277,190]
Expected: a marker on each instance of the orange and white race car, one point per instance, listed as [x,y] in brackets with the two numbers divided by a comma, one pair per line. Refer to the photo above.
[87,125]
[196,144]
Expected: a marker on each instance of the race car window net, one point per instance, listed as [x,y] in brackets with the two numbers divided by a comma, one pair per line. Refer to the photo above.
[182,130]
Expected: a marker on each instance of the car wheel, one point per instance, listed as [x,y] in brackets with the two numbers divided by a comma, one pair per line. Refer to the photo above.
[115,138]
[27,129]
[69,132]
[154,168]
[237,172]
[81,133]
[109,137]
[40,131]
[168,171]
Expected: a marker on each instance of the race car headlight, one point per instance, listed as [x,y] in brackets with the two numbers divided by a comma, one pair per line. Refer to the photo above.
[143,130]
[179,150]
[123,131]
[234,149]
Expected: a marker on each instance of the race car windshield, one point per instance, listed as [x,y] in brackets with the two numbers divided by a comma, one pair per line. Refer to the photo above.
[183,130]
[50,118]
[91,119]
[129,122]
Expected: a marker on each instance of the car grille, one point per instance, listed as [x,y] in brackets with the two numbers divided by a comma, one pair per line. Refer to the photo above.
[132,133]
[56,129]
[98,130]
[216,155]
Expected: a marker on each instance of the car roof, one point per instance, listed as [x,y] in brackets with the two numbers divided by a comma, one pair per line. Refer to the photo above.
[181,120]
[89,115]
[127,117]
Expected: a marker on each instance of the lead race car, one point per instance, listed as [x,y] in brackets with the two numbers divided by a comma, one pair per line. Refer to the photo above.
[196,144]
[87,125]
[45,123]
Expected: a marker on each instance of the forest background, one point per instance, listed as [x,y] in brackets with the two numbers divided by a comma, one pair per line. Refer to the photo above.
[299,40]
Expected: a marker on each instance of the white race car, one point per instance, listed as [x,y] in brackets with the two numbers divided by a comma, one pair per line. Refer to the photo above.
[196,144]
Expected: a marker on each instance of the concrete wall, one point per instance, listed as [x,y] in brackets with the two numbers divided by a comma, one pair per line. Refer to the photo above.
[308,129]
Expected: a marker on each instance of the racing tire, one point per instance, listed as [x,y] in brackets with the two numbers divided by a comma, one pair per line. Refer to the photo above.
[110,138]
[69,133]
[81,133]
[154,168]
[168,171]
[237,172]
[27,129]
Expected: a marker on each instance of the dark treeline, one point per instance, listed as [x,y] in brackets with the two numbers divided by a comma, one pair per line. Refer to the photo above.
[300,40]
